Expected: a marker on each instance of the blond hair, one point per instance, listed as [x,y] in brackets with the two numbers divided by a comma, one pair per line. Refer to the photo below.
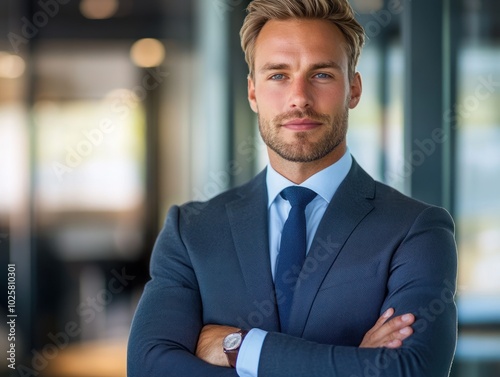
[338,12]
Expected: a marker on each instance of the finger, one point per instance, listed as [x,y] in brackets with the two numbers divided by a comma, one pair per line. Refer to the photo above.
[396,343]
[395,339]
[404,333]
[396,324]
[383,319]
[397,328]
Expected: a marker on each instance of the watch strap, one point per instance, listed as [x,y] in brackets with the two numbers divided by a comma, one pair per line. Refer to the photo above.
[232,355]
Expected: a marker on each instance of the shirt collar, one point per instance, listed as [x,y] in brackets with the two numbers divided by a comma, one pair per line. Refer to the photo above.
[325,182]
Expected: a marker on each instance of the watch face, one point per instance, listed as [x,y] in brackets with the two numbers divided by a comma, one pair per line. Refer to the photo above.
[232,341]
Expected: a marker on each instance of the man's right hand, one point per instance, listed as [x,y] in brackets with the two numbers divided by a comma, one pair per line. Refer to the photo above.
[389,333]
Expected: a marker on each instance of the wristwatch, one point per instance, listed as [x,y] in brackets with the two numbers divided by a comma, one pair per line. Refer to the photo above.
[231,345]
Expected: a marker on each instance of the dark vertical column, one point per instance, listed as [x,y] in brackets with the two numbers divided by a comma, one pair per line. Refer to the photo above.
[453,37]
[244,138]
[427,84]
[152,198]
[383,95]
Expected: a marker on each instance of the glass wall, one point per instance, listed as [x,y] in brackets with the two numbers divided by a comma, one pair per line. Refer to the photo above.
[91,95]
[476,117]
[375,135]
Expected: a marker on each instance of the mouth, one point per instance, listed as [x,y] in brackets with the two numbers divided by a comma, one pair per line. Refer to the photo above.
[301,124]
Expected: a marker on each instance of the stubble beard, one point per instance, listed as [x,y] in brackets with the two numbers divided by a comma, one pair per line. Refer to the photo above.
[302,149]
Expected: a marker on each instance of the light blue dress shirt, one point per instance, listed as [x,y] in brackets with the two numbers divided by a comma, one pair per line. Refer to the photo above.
[325,183]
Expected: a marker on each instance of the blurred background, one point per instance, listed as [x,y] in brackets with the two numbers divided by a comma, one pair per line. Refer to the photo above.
[113,110]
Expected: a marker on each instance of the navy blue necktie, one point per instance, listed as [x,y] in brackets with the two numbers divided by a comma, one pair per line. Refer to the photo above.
[292,249]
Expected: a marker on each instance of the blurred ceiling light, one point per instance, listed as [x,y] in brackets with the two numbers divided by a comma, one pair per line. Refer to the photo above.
[147,52]
[98,9]
[11,66]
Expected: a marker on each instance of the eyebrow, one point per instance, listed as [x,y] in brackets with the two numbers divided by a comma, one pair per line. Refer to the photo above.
[328,64]
[283,66]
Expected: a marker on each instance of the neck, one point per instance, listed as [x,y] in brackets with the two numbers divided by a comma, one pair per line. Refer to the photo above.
[298,172]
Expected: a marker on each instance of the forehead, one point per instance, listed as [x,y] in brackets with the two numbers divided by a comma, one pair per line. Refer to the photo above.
[307,41]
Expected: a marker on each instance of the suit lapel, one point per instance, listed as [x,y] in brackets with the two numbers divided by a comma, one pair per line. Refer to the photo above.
[249,226]
[348,207]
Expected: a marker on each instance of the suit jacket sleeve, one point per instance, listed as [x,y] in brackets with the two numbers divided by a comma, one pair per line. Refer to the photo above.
[168,319]
[422,281]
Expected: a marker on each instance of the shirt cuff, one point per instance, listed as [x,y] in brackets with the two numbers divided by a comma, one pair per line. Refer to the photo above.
[247,363]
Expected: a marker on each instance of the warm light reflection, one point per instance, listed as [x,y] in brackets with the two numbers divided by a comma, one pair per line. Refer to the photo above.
[147,53]
[108,358]
[11,66]
[98,9]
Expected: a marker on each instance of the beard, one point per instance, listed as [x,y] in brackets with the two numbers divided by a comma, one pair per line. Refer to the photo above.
[302,149]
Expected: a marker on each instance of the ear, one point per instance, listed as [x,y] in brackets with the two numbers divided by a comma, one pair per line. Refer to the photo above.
[356,88]
[251,95]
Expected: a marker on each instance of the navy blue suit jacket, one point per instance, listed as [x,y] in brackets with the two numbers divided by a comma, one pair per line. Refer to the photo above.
[374,249]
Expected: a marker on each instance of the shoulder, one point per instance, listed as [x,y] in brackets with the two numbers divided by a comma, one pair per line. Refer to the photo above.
[402,210]
[395,199]
[391,204]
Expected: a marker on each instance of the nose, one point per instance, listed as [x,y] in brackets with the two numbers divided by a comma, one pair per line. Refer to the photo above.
[300,94]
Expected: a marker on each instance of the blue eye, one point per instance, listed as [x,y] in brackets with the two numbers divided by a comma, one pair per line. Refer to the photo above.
[278,76]
[323,76]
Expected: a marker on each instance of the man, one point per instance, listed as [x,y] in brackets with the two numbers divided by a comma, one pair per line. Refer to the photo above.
[312,273]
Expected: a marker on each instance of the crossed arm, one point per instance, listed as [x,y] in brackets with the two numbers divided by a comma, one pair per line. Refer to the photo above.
[386,332]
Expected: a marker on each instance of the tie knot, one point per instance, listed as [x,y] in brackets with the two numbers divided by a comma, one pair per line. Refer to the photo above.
[298,196]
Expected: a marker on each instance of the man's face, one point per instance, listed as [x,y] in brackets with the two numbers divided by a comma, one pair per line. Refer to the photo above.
[301,89]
